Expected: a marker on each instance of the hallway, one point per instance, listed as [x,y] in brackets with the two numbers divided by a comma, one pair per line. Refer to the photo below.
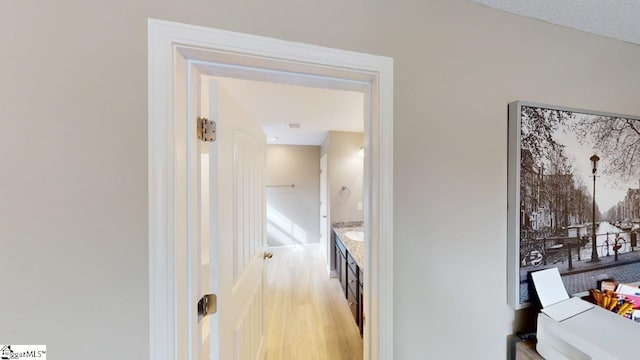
[307,314]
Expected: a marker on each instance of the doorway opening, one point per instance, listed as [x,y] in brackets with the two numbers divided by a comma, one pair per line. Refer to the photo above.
[310,201]
[173,47]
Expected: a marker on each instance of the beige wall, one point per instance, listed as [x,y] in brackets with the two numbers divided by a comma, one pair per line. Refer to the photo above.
[73,183]
[293,214]
[344,175]
[345,169]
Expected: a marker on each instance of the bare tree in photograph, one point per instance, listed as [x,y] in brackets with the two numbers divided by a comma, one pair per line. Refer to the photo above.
[537,128]
[617,139]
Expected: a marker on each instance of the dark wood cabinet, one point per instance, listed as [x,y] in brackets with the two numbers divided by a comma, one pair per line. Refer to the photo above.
[350,276]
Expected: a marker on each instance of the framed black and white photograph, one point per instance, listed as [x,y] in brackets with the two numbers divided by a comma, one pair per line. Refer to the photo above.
[574,197]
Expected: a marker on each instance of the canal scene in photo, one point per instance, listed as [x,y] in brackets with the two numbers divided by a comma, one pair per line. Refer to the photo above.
[579,197]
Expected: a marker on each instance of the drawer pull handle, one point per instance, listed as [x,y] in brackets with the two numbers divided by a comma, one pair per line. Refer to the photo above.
[350,303]
[352,281]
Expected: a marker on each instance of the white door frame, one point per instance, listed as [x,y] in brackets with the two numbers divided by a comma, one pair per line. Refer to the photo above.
[324,230]
[170,43]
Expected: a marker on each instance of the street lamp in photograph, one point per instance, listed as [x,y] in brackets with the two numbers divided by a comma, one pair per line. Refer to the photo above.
[594,168]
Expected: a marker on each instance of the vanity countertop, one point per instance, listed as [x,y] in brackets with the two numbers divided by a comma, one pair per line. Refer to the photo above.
[355,248]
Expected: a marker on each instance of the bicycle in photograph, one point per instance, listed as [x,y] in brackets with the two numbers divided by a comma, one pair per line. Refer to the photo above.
[531,253]
[614,246]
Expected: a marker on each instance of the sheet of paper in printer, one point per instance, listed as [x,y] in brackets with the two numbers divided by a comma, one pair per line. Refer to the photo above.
[554,298]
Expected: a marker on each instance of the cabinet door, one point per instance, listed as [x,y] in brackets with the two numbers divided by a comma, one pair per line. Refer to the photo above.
[343,274]
[352,280]
[352,262]
[341,268]
[353,304]
[361,302]
[361,313]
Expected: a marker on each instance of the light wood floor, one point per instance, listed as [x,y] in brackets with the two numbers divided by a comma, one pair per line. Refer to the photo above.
[307,313]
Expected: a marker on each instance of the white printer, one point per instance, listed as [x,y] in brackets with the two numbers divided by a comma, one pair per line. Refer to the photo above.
[574,329]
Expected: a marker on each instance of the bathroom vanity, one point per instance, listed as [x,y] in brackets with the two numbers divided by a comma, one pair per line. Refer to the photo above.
[349,261]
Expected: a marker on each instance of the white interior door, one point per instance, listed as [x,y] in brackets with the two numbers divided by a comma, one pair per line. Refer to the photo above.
[324,213]
[232,231]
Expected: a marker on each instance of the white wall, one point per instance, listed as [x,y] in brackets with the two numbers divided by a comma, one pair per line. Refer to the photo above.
[73,181]
[293,214]
[345,171]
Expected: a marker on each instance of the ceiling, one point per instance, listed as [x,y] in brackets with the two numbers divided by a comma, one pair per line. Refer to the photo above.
[617,19]
[317,110]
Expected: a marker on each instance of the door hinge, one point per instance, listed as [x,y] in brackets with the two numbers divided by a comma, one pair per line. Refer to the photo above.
[207,305]
[206,129]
